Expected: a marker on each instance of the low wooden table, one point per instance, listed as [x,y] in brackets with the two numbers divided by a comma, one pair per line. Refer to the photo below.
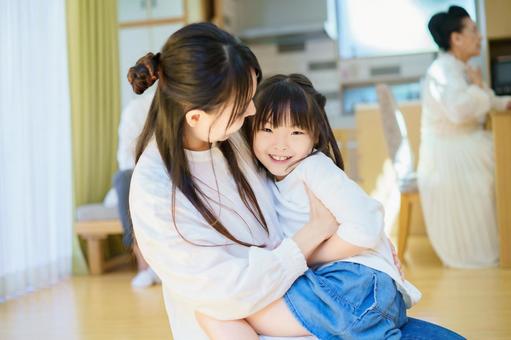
[95,233]
[501,127]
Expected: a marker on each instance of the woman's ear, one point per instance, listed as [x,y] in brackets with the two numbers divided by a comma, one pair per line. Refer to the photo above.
[193,117]
[455,39]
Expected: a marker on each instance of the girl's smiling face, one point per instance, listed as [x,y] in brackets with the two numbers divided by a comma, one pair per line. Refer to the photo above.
[280,148]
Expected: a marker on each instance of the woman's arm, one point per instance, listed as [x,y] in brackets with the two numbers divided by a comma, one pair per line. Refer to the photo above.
[499,103]
[462,101]
[225,282]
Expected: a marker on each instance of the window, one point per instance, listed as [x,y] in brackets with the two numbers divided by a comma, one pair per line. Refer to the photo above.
[369,28]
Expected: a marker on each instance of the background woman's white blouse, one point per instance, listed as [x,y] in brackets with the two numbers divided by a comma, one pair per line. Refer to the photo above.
[450,102]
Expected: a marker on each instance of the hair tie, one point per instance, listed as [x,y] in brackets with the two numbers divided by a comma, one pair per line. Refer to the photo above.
[144,73]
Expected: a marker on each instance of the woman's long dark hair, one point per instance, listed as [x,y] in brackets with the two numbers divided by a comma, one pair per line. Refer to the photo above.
[292,99]
[199,67]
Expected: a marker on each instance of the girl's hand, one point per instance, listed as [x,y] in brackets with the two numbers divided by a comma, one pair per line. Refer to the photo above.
[320,218]
[396,259]
[475,76]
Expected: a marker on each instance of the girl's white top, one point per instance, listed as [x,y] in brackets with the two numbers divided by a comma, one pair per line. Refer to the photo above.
[359,216]
[202,270]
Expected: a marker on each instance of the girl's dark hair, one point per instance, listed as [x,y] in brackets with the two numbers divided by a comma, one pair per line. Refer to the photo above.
[282,98]
[199,67]
[443,24]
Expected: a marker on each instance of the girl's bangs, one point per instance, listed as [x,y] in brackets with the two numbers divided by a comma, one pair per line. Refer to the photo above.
[283,104]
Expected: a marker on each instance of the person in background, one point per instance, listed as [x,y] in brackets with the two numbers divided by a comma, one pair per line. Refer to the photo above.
[132,122]
[456,165]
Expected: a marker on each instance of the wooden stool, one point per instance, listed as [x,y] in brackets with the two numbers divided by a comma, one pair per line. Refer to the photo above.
[408,199]
[400,152]
[95,232]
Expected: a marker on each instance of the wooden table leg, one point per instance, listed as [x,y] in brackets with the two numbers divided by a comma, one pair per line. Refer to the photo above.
[95,254]
[501,126]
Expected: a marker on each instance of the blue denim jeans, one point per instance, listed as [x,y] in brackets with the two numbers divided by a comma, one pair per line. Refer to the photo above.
[416,329]
[345,300]
[122,181]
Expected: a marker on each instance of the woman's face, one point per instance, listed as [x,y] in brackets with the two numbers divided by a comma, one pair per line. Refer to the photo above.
[205,128]
[467,43]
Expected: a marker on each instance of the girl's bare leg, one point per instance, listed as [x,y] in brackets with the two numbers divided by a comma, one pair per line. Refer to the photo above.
[226,330]
[276,320]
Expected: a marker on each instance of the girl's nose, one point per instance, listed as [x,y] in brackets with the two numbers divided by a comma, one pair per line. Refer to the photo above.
[280,144]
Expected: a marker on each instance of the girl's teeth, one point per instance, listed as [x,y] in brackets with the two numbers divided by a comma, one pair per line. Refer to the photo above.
[279,158]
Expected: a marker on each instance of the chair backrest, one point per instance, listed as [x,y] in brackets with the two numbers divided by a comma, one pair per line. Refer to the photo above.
[395,133]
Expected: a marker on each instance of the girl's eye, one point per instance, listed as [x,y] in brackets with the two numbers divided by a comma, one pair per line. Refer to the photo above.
[298,133]
[265,129]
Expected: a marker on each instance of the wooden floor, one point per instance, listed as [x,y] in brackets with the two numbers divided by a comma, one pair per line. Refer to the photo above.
[476,303]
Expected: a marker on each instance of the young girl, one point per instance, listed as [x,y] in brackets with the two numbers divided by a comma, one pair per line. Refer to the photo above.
[361,296]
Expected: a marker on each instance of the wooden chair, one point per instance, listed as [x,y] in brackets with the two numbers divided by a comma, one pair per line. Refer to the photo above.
[400,152]
[94,223]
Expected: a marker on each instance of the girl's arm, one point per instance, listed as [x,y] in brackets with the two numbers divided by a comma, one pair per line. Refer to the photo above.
[360,217]
[333,249]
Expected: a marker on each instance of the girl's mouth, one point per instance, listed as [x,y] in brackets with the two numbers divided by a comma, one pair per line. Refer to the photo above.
[279,158]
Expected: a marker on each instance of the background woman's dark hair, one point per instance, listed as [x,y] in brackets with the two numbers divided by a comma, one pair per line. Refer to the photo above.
[199,67]
[443,24]
[280,98]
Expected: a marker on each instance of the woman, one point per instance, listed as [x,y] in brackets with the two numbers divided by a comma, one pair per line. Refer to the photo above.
[202,214]
[456,166]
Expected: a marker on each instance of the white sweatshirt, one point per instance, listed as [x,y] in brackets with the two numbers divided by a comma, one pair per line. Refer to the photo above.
[219,278]
[360,217]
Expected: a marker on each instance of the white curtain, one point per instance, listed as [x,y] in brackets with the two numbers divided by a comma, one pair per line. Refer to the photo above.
[35,147]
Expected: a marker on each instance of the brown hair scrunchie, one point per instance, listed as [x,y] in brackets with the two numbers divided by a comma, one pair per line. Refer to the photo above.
[144,73]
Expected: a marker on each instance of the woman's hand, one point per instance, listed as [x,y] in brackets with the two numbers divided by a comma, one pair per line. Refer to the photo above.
[321,226]
[475,76]
[320,218]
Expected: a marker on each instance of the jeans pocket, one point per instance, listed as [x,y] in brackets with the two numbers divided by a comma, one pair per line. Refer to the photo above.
[365,314]
[370,302]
